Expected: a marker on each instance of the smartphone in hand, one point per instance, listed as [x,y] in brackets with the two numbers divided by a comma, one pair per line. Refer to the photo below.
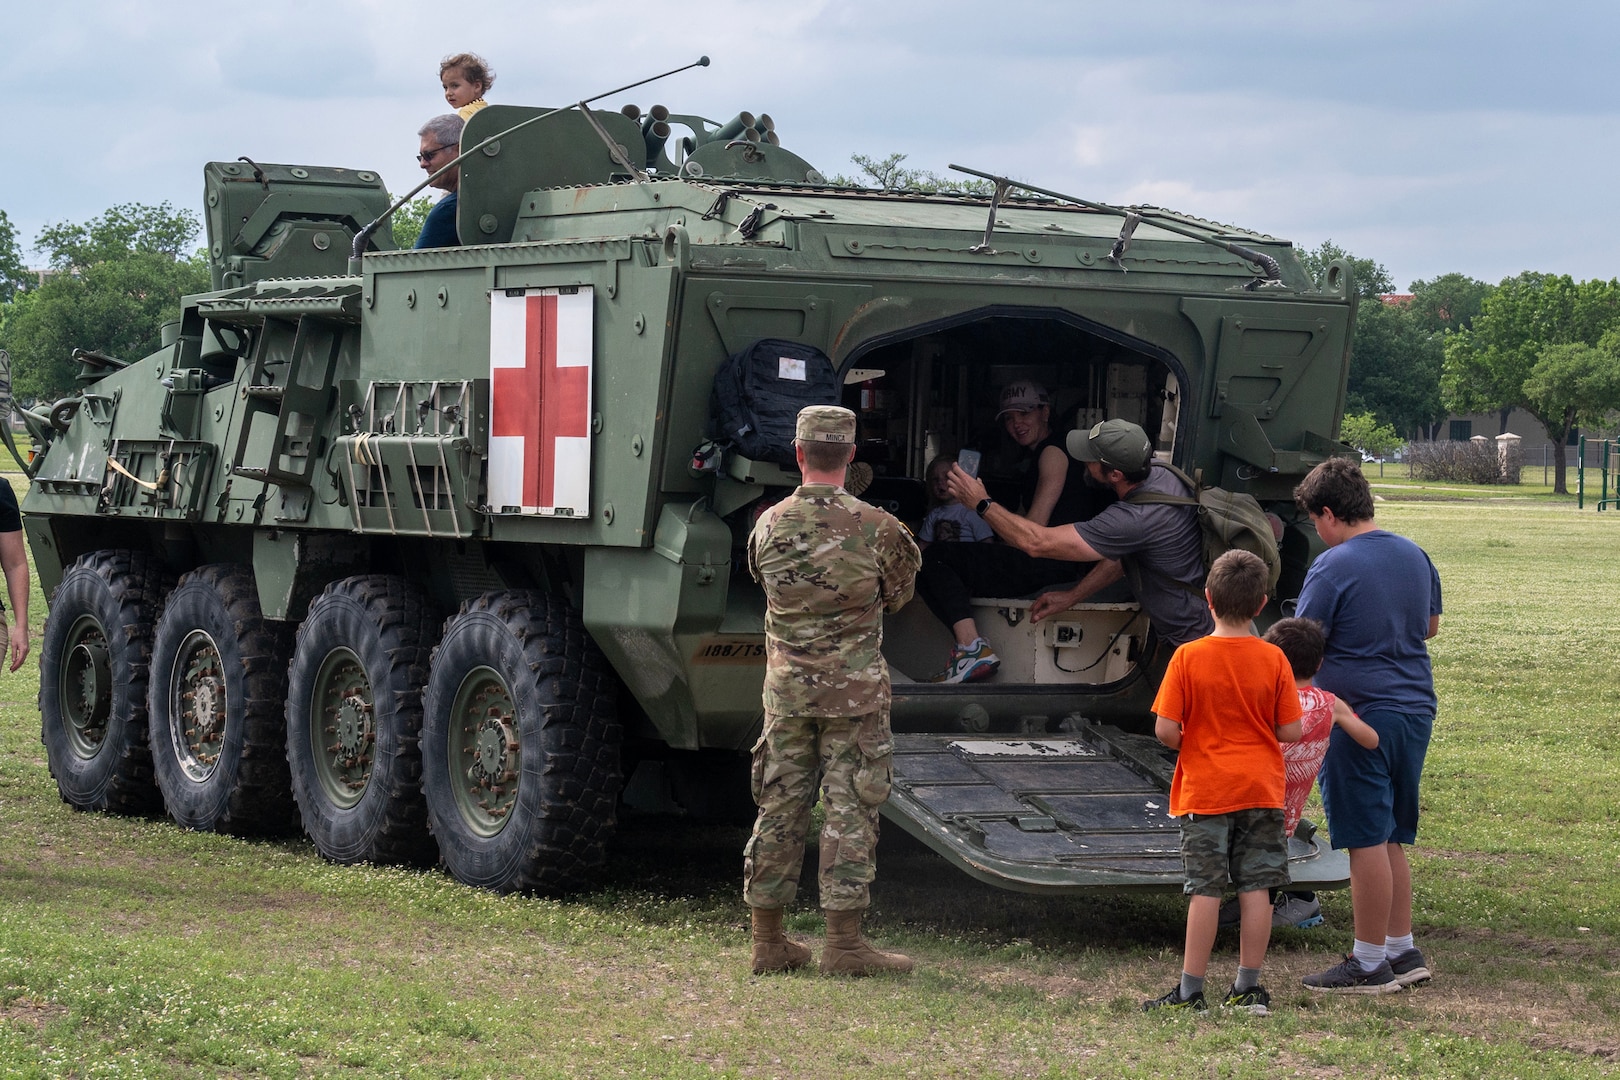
[969,461]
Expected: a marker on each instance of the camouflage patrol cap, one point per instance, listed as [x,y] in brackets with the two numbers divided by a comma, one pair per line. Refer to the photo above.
[825,423]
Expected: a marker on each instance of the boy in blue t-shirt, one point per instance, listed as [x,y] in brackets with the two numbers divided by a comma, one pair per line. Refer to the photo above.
[1377,598]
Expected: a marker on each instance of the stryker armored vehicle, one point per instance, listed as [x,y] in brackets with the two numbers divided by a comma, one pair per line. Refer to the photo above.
[431,550]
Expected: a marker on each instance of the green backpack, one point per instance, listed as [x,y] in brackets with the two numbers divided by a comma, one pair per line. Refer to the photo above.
[1227,520]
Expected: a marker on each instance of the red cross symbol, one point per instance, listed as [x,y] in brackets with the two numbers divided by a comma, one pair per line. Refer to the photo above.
[540,402]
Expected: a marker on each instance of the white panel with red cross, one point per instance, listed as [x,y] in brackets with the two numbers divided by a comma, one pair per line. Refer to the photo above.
[540,401]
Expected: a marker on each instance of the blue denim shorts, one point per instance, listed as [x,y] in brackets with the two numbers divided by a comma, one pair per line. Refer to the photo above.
[1371,796]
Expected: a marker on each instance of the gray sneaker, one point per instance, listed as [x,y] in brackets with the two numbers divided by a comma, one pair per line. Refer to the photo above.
[1295,910]
[1410,968]
[1289,909]
[1347,977]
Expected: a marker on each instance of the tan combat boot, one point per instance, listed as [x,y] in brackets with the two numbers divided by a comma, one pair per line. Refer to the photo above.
[773,951]
[847,953]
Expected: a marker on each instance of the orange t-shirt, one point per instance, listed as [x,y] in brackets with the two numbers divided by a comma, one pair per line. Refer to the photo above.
[1230,694]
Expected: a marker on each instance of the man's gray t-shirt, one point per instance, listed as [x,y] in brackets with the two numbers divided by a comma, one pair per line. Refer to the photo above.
[1162,551]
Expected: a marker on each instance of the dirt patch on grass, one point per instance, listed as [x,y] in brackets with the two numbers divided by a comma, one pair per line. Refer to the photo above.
[25,1012]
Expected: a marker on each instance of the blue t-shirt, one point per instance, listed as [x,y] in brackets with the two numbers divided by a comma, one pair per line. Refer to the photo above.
[1374,595]
[439,227]
[952,522]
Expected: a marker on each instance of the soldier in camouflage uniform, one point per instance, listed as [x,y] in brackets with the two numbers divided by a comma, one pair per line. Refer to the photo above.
[830,565]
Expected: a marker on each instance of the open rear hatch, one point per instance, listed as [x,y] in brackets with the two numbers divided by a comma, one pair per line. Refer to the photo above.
[1060,813]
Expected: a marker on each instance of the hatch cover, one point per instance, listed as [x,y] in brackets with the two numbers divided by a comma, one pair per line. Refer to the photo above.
[1058,813]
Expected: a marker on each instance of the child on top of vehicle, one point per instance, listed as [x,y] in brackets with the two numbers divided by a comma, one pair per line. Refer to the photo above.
[466,78]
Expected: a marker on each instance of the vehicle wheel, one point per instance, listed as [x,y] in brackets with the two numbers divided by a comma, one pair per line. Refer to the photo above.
[354,717]
[217,700]
[520,746]
[92,681]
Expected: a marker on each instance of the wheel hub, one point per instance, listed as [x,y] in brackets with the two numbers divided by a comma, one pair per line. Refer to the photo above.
[343,730]
[353,730]
[86,688]
[494,740]
[201,700]
[484,738]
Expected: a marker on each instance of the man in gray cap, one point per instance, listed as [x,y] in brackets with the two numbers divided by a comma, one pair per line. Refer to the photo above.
[830,565]
[1158,547]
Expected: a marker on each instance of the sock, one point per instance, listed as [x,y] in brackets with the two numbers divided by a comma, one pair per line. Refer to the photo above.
[1394,946]
[1190,985]
[1247,979]
[1368,955]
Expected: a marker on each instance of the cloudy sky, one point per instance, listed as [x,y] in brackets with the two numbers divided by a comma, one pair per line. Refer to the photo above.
[1430,135]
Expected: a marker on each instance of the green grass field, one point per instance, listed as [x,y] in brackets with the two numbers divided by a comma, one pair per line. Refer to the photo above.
[130,948]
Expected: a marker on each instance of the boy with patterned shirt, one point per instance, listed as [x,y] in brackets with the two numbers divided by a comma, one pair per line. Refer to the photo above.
[1226,704]
[1321,711]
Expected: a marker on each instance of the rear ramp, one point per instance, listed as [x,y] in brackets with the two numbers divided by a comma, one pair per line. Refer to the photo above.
[1061,813]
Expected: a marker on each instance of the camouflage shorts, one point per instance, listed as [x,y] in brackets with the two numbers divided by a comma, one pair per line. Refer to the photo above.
[1245,847]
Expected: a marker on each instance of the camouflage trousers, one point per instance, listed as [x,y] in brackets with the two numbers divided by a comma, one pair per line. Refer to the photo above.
[852,759]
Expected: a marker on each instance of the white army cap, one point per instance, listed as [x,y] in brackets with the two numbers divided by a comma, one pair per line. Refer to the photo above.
[826,424]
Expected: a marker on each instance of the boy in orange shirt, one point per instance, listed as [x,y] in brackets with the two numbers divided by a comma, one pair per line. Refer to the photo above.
[1227,704]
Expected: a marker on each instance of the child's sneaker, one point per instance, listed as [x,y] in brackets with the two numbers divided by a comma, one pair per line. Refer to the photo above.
[1254,1000]
[1348,977]
[1295,910]
[1174,1000]
[1410,967]
[971,664]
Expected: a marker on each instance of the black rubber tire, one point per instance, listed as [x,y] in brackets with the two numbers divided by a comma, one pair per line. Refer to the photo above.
[560,708]
[213,638]
[113,595]
[377,631]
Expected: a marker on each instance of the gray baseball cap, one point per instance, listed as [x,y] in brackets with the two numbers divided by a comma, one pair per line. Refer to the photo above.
[1117,444]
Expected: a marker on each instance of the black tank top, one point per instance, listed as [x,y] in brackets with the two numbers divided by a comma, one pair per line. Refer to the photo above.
[1079,501]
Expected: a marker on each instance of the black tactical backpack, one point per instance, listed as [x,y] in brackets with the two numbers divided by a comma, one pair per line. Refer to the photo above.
[759,391]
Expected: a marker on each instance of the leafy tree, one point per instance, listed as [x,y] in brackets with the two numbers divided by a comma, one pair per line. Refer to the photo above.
[1365,433]
[119,277]
[1493,365]
[13,273]
[1370,278]
[1576,385]
[123,230]
[1449,302]
[890,174]
[407,220]
[1394,368]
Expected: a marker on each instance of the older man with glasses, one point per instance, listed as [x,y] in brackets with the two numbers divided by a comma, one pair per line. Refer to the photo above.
[441,141]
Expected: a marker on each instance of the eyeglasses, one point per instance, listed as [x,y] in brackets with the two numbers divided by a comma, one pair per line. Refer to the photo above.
[428,155]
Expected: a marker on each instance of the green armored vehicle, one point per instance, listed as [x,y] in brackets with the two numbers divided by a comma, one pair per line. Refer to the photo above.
[427,550]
